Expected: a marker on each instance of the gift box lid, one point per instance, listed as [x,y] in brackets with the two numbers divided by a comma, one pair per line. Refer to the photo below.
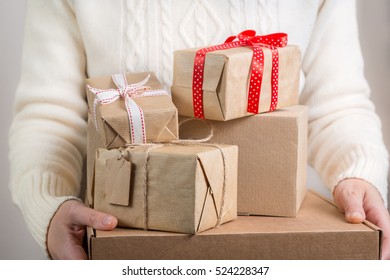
[318,232]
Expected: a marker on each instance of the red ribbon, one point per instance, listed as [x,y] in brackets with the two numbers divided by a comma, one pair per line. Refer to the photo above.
[245,38]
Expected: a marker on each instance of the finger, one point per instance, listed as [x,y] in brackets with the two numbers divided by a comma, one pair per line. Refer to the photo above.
[66,244]
[351,202]
[71,251]
[76,252]
[83,215]
[384,225]
[381,218]
[386,248]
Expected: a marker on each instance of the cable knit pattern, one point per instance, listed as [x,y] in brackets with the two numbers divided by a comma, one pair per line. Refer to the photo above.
[200,24]
[267,16]
[135,60]
[235,16]
[213,18]
[167,44]
[184,34]
[90,38]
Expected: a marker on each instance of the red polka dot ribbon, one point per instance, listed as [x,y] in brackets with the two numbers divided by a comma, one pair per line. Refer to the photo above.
[245,38]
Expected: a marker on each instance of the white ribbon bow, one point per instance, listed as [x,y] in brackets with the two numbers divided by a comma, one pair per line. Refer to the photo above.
[128,92]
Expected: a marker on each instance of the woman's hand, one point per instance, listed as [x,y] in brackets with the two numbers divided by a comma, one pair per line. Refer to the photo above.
[360,201]
[67,229]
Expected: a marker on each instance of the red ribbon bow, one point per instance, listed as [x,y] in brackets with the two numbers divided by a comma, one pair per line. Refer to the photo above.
[245,38]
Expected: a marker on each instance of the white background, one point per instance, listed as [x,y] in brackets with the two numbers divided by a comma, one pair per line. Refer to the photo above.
[16,242]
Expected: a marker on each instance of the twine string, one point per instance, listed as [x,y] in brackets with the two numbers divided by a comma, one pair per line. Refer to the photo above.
[124,152]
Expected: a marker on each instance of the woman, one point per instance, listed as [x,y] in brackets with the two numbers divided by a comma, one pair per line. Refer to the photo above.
[68,41]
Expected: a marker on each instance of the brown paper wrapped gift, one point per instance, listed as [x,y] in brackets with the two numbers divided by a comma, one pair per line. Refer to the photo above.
[319,232]
[272,158]
[160,114]
[226,80]
[177,188]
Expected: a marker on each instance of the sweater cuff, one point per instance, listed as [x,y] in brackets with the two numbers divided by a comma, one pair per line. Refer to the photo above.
[368,165]
[39,195]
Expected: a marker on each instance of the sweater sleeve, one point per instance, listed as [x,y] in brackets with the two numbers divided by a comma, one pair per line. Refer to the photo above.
[345,138]
[47,137]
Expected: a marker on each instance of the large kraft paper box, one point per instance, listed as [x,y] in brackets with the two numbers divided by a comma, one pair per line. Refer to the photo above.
[272,159]
[160,114]
[184,188]
[318,232]
[226,81]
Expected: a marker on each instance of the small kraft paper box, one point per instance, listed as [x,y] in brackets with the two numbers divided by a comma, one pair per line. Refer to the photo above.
[229,81]
[319,232]
[132,109]
[185,188]
[272,160]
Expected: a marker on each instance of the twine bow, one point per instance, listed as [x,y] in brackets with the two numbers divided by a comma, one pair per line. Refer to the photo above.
[127,92]
[245,38]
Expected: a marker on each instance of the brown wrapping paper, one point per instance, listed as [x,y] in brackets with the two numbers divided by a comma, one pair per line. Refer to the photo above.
[226,80]
[93,143]
[318,232]
[272,158]
[112,119]
[181,189]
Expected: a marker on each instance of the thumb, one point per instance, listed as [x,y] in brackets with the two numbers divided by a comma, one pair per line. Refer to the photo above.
[86,216]
[351,202]
[355,214]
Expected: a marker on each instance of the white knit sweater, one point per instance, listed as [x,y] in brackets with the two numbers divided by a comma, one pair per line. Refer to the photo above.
[67,41]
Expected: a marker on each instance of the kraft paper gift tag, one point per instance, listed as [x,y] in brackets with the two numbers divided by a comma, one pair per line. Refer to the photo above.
[118,180]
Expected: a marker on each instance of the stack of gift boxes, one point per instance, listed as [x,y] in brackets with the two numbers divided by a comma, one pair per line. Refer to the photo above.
[230,140]
[140,172]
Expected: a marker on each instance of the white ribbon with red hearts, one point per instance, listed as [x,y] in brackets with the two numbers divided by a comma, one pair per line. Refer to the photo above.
[128,92]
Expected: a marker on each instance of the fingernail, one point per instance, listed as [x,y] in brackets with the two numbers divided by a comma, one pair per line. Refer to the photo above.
[108,220]
[356,216]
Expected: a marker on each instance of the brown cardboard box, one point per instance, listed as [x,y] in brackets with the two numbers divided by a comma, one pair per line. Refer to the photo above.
[112,119]
[185,188]
[318,232]
[272,158]
[226,81]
